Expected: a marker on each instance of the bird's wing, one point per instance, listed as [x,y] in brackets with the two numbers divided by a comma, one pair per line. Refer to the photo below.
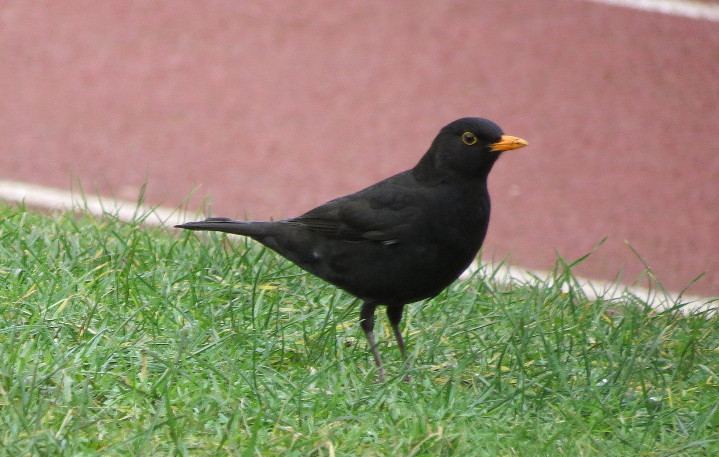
[374,216]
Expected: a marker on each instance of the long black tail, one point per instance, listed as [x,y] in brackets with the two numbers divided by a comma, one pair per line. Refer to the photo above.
[225,224]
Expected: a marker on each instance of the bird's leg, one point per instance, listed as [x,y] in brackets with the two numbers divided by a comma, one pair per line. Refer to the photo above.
[367,324]
[394,313]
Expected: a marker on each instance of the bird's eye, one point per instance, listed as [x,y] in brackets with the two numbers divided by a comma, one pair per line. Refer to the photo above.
[469,138]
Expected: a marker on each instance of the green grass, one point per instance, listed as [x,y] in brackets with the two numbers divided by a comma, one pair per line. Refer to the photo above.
[118,339]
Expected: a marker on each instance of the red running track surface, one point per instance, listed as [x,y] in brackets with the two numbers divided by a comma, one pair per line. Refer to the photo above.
[272,110]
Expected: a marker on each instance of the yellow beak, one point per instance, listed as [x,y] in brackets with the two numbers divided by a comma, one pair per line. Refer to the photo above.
[507,143]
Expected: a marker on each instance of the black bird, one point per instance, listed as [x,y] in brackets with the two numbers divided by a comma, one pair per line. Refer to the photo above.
[402,239]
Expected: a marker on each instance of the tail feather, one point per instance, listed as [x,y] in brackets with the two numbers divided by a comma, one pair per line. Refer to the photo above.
[225,224]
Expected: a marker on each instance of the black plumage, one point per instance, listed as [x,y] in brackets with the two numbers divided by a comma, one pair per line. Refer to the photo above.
[402,239]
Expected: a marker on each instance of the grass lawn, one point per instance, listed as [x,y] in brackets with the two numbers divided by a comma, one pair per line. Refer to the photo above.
[119,339]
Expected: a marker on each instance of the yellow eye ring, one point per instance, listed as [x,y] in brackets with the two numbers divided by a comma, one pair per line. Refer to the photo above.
[469,138]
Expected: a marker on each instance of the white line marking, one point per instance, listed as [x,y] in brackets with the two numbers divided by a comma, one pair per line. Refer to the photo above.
[686,8]
[56,199]
[611,291]
[62,200]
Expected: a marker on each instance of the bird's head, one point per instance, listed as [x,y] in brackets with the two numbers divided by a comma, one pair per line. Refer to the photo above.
[466,147]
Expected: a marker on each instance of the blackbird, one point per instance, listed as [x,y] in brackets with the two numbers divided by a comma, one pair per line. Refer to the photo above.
[401,240]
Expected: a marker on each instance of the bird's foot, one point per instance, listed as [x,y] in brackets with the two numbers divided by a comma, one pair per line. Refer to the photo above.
[381,375]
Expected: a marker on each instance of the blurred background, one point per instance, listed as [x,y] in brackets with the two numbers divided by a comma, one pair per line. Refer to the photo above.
[268,110]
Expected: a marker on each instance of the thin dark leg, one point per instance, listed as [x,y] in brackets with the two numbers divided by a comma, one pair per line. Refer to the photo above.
[394,313]
[367,324]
